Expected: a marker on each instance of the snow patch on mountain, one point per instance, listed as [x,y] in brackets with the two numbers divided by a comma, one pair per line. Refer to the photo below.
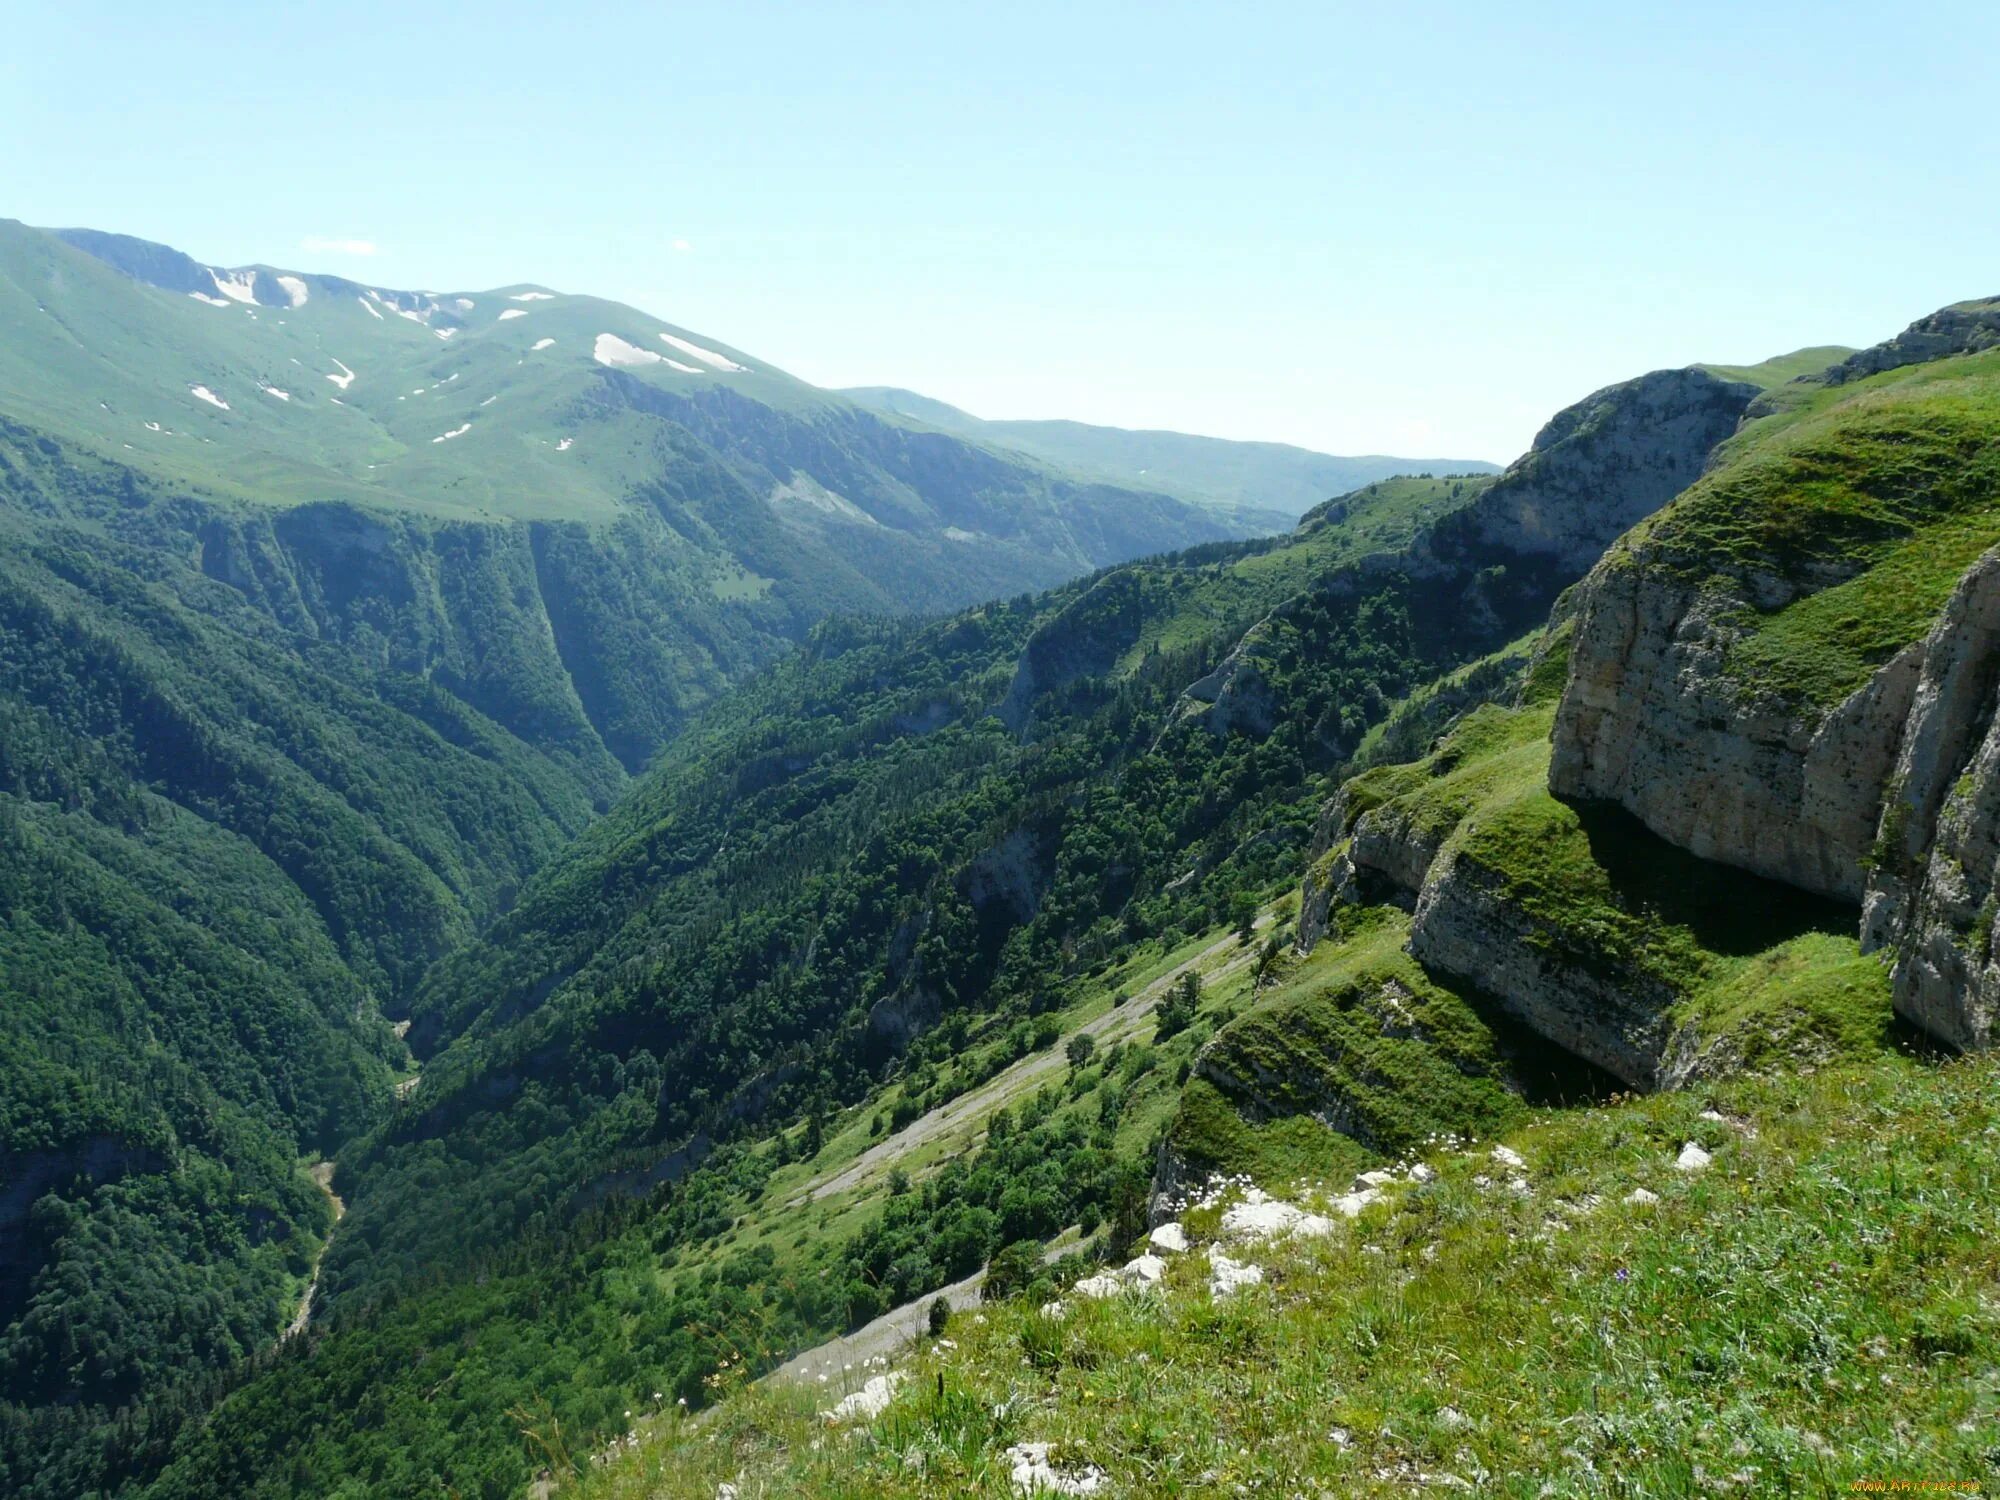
[459,431]
[706,356]
[532,297]
[203,393]
[211,301]
[272,390]
[295,289]
[614,351]
[540,344]
[563,446]
[686,369]
[513,312]
[373,311]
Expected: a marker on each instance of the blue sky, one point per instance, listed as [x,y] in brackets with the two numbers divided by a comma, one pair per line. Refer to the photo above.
[1401,228]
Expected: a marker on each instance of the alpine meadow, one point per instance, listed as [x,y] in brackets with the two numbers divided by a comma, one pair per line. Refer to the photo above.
[586,918]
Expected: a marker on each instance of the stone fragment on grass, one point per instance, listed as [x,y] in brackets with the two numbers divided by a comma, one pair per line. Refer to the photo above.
[1507,1156]
[868,1402]
[1692,1158]
[1145,1270]
[1103,1284]
[1168,1238]
[1032,1473]
[1226,1276]
[1260,1217]
[1642,1197]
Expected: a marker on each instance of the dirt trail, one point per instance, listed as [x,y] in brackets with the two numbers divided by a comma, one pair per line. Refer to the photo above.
[1114,1025]
[322,1174]
[842,1361]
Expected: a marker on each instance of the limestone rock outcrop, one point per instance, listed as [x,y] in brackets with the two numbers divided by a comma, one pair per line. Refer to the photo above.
[1936,867]
[1651,720]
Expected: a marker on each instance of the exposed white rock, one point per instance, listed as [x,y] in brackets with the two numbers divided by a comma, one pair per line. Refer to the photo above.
[725,1491]
[1032,1473]
[612,350]
[1260,1217]
[211,301]
[1227,1276]
[1347,1205]
[464,304]
[295,289]
[1642,1197]
[1692,1158]
[869,1402]
[706,356]
[1103,1284]
[1422,1172]
[563,446]
[1507,1156]
[1057,1309]
[513,312]
[1169,1237]
[372,310]
[237,286]
[203,393]
[1375,1179]
[1931,901]
[1143,1271]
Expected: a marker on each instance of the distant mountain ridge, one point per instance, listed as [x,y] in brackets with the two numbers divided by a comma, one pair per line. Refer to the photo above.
[1250,481]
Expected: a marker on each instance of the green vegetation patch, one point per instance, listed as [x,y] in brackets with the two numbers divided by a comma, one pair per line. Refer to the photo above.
[1358,1043]
[1870,499]
[1811,1312]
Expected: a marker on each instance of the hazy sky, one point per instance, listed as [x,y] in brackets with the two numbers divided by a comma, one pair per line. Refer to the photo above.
[1384,227]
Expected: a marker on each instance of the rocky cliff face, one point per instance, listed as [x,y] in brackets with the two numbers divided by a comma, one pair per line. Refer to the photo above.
[1653,721]
[1780,674]
[1594,471]
[1932,894]
[1963,328]
[1480,576]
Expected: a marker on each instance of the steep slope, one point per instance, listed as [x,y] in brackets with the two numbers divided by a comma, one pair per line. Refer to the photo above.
[1790,669]
[328,614]
[1250,482]
[1559,1310]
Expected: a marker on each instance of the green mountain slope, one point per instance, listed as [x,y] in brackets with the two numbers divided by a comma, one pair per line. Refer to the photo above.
[328,615]
[518,402]
[1252,482]
[872,887]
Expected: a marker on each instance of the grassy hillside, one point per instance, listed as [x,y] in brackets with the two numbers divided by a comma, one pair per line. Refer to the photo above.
[1888,486]
[525,404]
[1270,482]
[1803,1316]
